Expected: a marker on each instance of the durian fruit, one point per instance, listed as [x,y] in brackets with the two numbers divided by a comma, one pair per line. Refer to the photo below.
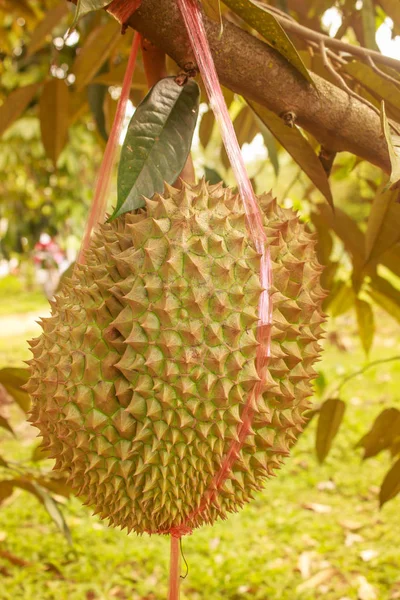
[141,374]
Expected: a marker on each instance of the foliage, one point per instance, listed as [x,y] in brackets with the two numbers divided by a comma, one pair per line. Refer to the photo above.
[43,484]
[359,242]
[157,142]
[311,522]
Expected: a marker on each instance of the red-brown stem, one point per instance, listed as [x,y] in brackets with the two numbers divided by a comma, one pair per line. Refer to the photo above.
[154,62]
[98,208]
[174,571]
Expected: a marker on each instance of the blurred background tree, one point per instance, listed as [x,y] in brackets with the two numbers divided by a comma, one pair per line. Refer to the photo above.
[58,96]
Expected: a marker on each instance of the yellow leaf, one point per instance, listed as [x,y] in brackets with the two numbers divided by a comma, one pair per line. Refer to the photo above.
[15,105]
[97,48]
[46,26]
[393,144]
[365,320]
[54,115]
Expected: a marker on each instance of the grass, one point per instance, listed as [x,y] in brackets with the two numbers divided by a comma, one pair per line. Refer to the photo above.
[280,547]
[15,298]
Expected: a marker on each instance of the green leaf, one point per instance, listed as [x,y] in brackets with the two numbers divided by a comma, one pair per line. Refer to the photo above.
[391,484]
[47,501]
[3,462]
[329,420]
[42,32]
[13,378]
[383,230]
[97,48]
[15,105]
[54,114]
[393,144]
[266,24]
[298,147]
[212,176]
[96,95]
[157,142]
[84,7]
[366,326]
[54,512]
[382,434]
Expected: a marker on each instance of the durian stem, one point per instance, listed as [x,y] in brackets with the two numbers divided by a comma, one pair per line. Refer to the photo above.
[174,569]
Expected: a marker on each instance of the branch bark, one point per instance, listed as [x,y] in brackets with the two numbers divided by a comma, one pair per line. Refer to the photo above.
[253,69]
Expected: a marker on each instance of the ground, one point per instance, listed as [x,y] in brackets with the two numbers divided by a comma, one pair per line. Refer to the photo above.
[314,532]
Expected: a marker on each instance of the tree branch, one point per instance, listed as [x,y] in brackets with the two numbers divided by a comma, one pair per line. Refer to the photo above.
[253,69]
[289,24]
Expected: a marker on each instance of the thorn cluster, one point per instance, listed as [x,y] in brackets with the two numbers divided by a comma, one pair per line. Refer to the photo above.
[141,374]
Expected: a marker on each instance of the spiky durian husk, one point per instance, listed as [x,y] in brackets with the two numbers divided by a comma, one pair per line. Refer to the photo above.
[141,374]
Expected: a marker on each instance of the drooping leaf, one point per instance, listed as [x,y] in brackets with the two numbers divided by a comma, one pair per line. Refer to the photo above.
[45,27]
[47,501]
[214,10]
[385,295]
[206,126]
[347,230]
[340,299]
[265,23]
[212,176]
[271,147]
[368,24]
[15,105]
[39,454]
[382,434]
[330,417]
[55,484]
[78,105]
[6,489]
[393,144]
[324,241]
[96,95]
[246,129]
[392,9]
[391,484]
[54,512]
[297,146]
[84,7]
[116,74]
[13,378]
[97,48]
[366,326]
[157,142]
[370,79]
[4,424]
[54,114]
[383,230]
[3,462]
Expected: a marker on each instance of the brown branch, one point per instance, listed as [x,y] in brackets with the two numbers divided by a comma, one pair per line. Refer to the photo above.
[290,24]
[251,68]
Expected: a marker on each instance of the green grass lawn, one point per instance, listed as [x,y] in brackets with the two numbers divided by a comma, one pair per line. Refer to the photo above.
[314,532]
